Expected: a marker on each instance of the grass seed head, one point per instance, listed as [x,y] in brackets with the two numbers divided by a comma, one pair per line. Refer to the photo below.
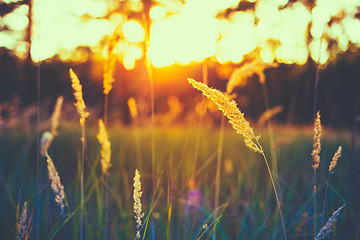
[56,115]
[80,104]
[137,203]
[105,148]
[109,63]
[21,227]
[329,225]
[336,157]
[45,142]
[317,144]
[230,110]
[132,107]
[56,185]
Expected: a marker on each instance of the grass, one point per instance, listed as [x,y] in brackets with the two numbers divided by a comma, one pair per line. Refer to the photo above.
[247,207]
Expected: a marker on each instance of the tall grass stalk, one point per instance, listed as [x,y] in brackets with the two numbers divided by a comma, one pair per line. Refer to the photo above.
[200,123]
[81,108]
[273,155]
[241,126]
[331,167]
[271,138]
[316,160]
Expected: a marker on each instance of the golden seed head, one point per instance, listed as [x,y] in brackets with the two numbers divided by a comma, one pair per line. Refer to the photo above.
[240,75]
[105,148]
[21,227]
[316,144]
[109,63]
[230,110]
[336,157]
[56,115]
[45,142]
[80,104]
[132,107]
[56,185]
[137,203]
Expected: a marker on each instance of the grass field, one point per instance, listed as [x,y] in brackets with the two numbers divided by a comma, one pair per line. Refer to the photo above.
[185,170]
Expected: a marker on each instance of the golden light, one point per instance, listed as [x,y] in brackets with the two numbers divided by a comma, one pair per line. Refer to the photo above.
[187,31]
[157,13]
[63,26]
[132,54]
[318,50]
[133,31]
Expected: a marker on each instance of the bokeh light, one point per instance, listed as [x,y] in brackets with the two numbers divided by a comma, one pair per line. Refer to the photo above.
[188,31]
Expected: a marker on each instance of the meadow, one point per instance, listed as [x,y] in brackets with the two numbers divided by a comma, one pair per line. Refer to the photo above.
[205,183]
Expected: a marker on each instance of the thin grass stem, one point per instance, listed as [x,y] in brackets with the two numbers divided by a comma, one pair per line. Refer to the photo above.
[271,138]
[106,104]
[82,180]
[218,167]
[326,190]
[273,185]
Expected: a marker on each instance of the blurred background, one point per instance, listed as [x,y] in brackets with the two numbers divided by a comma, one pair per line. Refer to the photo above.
[43,38]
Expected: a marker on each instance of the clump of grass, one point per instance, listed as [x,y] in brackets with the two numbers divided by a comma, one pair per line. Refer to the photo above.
[137,203]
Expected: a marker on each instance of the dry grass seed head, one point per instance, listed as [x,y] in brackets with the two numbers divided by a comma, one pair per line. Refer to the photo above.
[336,157]
[109,63]
[45,142]
[132,107]
[230,110]
[80,104]
[56,115]
[21,226]
[317,144]
[105,148]
[240,75]
[329,225]
[137,203]
[56,185]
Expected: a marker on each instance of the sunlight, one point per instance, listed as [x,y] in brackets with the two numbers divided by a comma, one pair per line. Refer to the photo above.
[63,26]
[133,31]
[184,32]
